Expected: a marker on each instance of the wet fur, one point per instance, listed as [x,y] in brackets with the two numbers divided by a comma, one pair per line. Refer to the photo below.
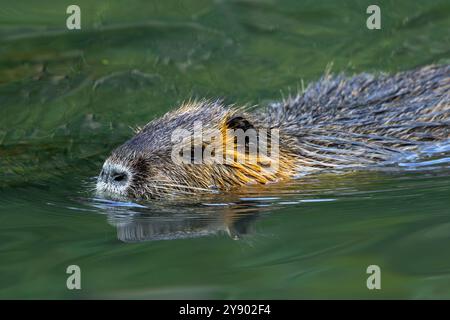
[337,122]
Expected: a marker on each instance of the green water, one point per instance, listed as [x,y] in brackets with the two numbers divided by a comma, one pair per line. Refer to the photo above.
[68,97]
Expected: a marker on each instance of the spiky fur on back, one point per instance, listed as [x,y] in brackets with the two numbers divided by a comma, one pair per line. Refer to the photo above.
[344,121]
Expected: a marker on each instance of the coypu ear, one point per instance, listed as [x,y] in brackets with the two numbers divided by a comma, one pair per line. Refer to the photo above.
[239,122]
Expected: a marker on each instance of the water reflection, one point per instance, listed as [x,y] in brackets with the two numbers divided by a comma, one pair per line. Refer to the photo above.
[137,229]
[137,223]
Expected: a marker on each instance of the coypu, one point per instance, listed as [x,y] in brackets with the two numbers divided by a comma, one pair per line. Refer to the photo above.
[337,122]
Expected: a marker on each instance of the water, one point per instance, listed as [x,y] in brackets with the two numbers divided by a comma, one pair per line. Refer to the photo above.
[68,97]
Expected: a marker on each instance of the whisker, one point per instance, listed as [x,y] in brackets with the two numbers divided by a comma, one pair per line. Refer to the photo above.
[171,189]
[187,187]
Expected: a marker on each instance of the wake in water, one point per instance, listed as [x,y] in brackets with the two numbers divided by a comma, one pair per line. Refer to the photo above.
[433,156]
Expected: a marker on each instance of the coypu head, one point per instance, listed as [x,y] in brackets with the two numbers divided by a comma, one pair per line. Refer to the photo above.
[162,158]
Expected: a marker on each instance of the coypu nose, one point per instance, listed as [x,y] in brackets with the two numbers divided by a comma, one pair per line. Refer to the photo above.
[114,175]
[119,176]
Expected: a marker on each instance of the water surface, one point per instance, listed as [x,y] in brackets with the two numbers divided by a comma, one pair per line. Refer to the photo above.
[68,97]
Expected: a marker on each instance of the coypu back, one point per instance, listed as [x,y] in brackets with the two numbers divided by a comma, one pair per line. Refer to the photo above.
[366,119]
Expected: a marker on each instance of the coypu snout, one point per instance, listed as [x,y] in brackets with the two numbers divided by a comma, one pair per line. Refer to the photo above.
[114,179]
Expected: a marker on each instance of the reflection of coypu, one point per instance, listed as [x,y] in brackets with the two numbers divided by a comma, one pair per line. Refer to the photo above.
[335,123]
[163,227]
[141,223]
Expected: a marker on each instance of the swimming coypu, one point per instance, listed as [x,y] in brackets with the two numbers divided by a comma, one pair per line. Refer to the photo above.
[337,122]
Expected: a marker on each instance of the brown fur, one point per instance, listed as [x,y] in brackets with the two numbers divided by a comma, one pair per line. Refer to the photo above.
[336,123]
